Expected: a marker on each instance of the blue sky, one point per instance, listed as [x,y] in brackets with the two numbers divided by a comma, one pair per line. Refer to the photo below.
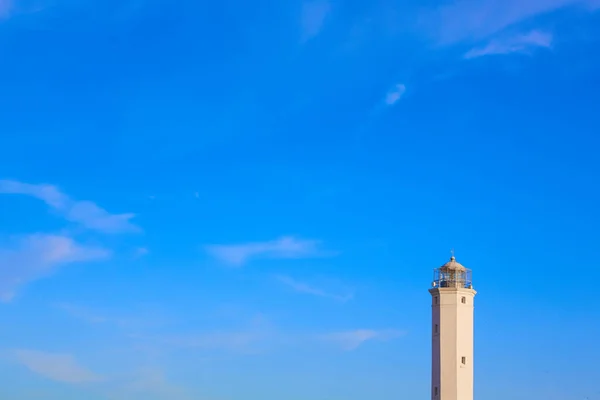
[246,200]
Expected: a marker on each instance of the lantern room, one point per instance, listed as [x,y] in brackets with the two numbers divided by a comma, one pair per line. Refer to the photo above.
[452,275]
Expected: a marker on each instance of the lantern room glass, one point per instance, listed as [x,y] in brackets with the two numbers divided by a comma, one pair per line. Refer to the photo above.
[452,278]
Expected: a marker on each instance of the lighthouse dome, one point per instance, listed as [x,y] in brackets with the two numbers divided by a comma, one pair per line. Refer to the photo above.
[453,265]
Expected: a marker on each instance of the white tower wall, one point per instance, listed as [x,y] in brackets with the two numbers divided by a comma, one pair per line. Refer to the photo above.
[452,343]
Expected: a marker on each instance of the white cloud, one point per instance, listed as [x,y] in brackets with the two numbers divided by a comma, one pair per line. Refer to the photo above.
[314,13]
[513,44]
[479,19]
[27,258]
[283,248]
[301,287]
[351,340]
[57,367]
[395,94]
[85,213]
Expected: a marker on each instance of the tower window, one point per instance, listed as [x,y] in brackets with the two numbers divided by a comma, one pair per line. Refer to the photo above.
[436,328]
[463,360]
[435,299]
[435,391]
[463,300]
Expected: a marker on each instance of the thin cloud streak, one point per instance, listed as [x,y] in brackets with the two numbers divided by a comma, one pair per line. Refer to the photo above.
[239,342]
[286,247]
[351,340]
[515,44]
[85,213]
[151,383]
[258,339]
[5,8]
[472,20]
[301,287]
[258,336]
[248,339]
[313,16]
[145,382]
[82,314]
[133,321]
[31,257]
[57,367]
[395,94]
[141,252]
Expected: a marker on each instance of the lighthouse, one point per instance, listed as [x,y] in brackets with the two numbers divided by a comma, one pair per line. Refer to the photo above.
[452,297]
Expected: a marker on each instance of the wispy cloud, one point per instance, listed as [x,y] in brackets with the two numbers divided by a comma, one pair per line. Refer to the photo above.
[57,367]
[85,213]
[242,341]
[305,288]
[250,337]
[258,338]
[5,8]
[479,19]
[150,383]
[283,248]
[141,251]
[143,383]
[131,323]
[314,13]
[82,313]
[351,340]
[395,94]
[523,43]
[31,257]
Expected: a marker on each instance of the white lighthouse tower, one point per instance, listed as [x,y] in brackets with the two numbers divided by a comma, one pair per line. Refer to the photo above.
[452,297]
